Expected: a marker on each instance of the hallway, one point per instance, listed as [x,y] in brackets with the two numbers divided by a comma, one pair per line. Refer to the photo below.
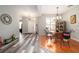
[28,43]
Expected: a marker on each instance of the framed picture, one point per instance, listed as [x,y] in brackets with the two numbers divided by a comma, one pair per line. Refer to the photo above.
[73,19]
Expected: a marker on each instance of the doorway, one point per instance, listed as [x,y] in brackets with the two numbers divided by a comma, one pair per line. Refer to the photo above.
[29,25]
[20,26]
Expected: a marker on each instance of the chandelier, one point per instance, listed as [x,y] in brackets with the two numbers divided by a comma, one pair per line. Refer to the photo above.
[58,17]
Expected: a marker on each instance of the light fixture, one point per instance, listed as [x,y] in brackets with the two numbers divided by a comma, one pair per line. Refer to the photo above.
[57,15]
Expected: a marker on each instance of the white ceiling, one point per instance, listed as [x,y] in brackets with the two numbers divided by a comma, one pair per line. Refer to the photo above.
[51,9]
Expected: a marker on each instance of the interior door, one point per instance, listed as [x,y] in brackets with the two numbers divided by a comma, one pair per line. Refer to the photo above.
[31,26]
[25,25]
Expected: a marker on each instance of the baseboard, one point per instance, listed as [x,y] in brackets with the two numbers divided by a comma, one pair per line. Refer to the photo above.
[27,33]
[75,38]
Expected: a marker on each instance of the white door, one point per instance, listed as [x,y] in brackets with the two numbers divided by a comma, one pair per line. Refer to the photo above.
[25,25]
[31,26]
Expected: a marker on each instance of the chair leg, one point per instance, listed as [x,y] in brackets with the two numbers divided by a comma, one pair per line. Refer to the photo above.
[61,43]
[68,44]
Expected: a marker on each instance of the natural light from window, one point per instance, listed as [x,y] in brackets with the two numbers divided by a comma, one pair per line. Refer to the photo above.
[50,23]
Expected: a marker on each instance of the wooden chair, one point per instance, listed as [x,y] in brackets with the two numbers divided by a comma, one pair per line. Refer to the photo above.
[65,38]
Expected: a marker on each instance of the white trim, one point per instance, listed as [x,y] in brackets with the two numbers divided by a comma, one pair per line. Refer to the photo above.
[75,38]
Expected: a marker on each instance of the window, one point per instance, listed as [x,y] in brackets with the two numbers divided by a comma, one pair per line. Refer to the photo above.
[50,23]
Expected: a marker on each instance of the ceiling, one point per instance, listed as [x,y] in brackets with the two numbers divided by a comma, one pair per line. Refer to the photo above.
[51,9]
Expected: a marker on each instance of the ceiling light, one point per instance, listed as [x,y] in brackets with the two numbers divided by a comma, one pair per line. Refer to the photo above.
[58,17]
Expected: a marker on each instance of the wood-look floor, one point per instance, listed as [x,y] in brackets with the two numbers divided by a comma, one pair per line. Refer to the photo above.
[56,47]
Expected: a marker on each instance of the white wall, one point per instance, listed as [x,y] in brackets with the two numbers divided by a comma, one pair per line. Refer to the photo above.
[16,12]
[75,27]
[7,30]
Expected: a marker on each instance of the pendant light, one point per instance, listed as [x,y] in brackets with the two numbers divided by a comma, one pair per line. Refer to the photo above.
[57,15]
